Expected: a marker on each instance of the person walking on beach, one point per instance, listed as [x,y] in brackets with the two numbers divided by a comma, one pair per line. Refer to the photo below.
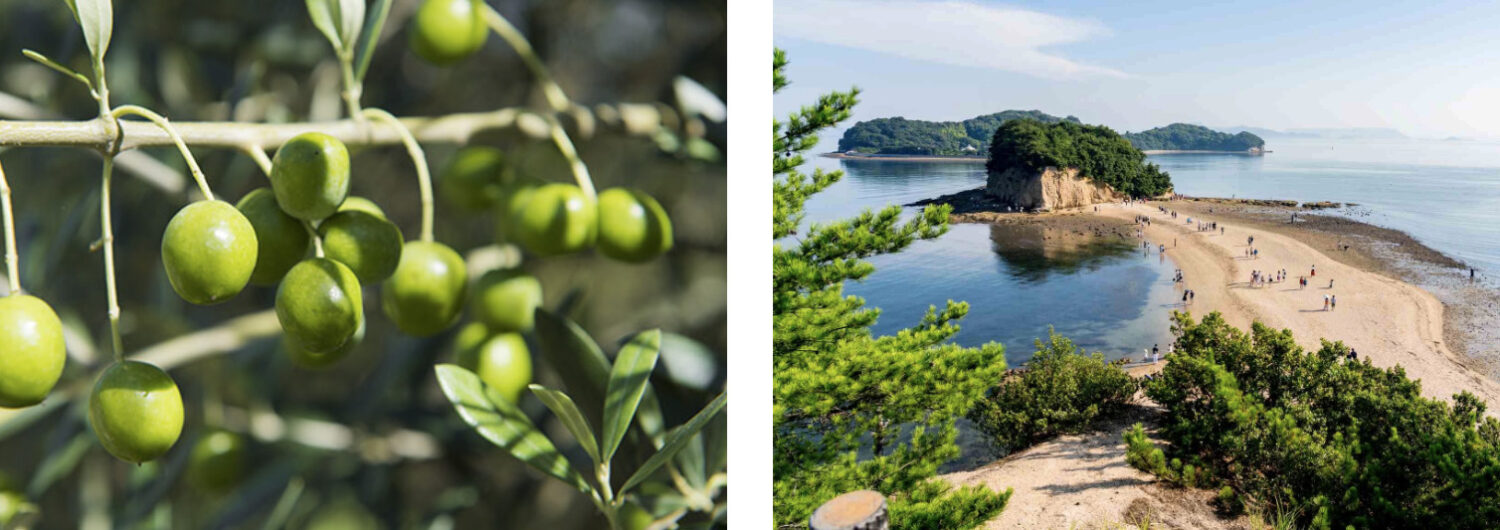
[1330,283]
[1184,297]
[1325,302]
[1353,357]
[1192,295]
[1314,270]
[1333,301]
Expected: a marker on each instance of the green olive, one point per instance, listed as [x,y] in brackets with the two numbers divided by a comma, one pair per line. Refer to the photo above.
[512,198]
[281,240]
[319,305]
[426,293]
[310,176]
[556,219]
[12,504]
[634,517]
[501,361]
[506,300]
[369,245]
[363,205]
[469,337]
[633,227]
[446,31]
[209,251]
[217,461]
[473,178]
[136,411]
[33,354]
[314,361]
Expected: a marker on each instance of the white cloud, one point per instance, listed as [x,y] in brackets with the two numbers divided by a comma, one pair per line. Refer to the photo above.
[953,32]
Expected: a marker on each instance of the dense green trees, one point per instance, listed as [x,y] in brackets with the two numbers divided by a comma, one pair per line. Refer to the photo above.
[1340,441]
[919,137]
[1062,390]
[1186,137]
[851,410]
[1099,152]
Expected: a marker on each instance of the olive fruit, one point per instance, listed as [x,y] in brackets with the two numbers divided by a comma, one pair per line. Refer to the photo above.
[446,31]
[426,293]
[310,176]
[556,219]
[506,299]
[512,198]
[136,411]
[472,180]
[369,245]
[33,354]
[363,205]
[634,517]
[217,461]
[209,251]
[306,359]
[632,226]
[319,305]
[12,503]
[502,361]
[281,240]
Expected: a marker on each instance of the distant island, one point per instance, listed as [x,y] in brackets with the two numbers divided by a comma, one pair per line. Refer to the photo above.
[1034,165]
[971,138]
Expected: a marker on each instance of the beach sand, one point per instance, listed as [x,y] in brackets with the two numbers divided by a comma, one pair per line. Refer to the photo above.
[1082,481]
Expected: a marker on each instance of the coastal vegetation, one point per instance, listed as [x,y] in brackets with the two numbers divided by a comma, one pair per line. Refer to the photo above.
[1188,137]
[1327,440]
[1101,155]
[1063,390]
[901,136]
[852,410]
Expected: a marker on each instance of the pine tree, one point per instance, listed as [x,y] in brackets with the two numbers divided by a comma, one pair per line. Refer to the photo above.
[853,410]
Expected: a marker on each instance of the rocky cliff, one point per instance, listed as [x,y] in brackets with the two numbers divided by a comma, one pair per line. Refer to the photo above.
[1050,189]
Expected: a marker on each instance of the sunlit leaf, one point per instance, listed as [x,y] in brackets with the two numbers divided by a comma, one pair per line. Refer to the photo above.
[676,440]
[96,18]
[577,360]
[627,380]
[563,407]
[694,99]
[369,37]
[500,422]
[351,18]
[325,16]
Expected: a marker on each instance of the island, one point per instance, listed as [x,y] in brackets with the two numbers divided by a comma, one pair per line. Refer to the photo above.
[921,140]
[1042,166]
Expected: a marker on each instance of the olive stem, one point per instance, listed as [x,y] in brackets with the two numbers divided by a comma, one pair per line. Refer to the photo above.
[261,159]
[11,259]
[161,121]
[419,159]
[580,170]
[353,88]
[502,27]
[317,241]
[109,259]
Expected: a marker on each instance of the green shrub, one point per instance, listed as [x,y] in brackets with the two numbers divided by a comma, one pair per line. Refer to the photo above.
[1345,442]
[935,505]
[1063,390]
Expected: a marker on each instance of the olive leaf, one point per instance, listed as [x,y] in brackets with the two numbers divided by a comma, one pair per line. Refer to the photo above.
[500,422]
[59,464]
[96,18]
[351,18]
[677,438]
[563,407]
[49,63]
[323,14]
[690,461]
[369,37]
[695,100]
[577,359]
[627,381]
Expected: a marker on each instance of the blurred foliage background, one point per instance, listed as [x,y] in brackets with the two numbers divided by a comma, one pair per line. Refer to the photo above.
[369,442]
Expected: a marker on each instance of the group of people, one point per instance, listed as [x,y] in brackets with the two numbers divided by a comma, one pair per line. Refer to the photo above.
[1258,278]
[1330,302]
[1209,226]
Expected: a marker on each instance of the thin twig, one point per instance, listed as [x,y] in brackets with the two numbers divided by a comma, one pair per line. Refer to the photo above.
[261,159]
[12,268]
[502,27]
[580,170]
[161,121]
[419,159]
[108,241]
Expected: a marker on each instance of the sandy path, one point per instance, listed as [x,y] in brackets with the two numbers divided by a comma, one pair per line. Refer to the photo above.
[1082,481]
[1385,320]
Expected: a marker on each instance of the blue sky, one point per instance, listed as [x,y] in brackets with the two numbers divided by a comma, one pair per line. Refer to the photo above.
[1428,69]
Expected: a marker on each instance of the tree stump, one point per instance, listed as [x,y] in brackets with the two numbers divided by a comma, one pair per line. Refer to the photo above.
[856,510]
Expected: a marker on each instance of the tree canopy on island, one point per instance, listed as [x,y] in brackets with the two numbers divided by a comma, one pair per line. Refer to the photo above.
[1100,154]
[1187,137]
[920,137]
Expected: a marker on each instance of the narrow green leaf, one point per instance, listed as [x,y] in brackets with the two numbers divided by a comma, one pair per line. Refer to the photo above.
[500,422]
[676,440]
[49,63]
[351,17]
[649,417]
[324,13]
[369,37]
[716,440]
[96,18]
[627,381]
[59,464]
[563,407]
[690,462]
[575,358]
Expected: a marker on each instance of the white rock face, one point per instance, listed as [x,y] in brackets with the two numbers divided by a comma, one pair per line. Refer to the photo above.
[1050,189]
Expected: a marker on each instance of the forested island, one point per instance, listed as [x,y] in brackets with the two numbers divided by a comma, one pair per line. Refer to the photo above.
[1098,153]
[1188,137]
[971,137]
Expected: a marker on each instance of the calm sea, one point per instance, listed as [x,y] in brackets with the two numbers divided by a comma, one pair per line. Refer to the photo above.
[1111,297]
